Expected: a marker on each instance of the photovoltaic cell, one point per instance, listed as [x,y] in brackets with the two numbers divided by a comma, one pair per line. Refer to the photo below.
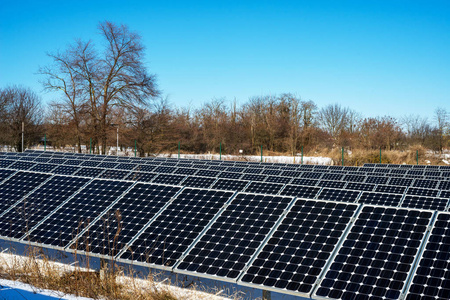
[422,192]
[421,202]
[144,168]
[168,179]
[65,170]
[312,175]
[355,178]
[5,173]
[303,181]
[185,171]
[17,186]
[432,277]
[264,188]
[46,168]
[331,184]
[380,198]
[332,176]
[308,192]
[338,195]
[108,165]
[209,173]
[73,162]
[125,219]
[278,179]
[114,174]
[89,172]
[230,184]
[254,177]
[377,179]
[165,169]
[425,183]
[141,176]
[400,181]
[26,214]
[391,189]
[360,186]
[170,234]
[444,185]
[377,255]
[22,165]
[200,182]
[125,166]
[65,223]
[298,250]
[235,236]
[5,163]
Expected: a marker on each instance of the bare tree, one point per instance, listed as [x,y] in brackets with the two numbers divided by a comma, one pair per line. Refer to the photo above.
[334,119]
[20,105]
[442,120]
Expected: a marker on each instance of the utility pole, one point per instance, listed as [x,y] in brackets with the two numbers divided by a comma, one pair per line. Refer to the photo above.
[23,129]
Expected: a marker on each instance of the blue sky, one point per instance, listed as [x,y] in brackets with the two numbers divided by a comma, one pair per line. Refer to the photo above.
[376,57]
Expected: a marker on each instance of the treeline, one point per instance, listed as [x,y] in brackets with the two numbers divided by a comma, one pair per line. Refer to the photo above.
[107,89]
[282,124]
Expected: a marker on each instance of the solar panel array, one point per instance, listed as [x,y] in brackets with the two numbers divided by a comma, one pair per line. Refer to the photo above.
[375,232]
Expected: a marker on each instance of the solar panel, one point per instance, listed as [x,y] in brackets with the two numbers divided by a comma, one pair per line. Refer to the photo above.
[421,202]
[271,172]
[360,186]
[45,168]
[209,173]
[252,170]
[332,176]
[165,169]
[65,170]
[422,192]
[114,174]
[264,188]
[445,194]
[5,163]
[400,181]
[125,219]
[108,165]
[185,171]
[19,185]
[90,163]
[22,165]
[125,166]
[303,181]
[144,168]
[298,250]
[235,169]
[168,179]
[59,228]
[31,210]
[229,175]
[312,175]
[197,181]
[338,195]
[73,162]
[380,198]
[431,279]
[171,233]
[331,184]
[377,179]
[231,241]
[377,255]
[300,191]
[254,177]
[425,183]
[141,176]
[291,174]
[444,185]
[278,179]
[230,184]
[392,189]
[5,173]
[355,178]
[57,161]
[89,172]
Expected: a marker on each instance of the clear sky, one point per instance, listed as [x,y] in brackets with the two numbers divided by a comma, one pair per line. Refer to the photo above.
[376,57]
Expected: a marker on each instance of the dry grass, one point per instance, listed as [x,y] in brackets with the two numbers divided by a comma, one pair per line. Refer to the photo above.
[359,157]
[37,270]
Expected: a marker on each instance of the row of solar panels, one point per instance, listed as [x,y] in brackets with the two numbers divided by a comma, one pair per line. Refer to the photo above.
[248,167]
[413,193]
[323,249]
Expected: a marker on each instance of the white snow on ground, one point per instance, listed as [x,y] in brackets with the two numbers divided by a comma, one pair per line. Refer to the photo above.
[255,158]
[18,290]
